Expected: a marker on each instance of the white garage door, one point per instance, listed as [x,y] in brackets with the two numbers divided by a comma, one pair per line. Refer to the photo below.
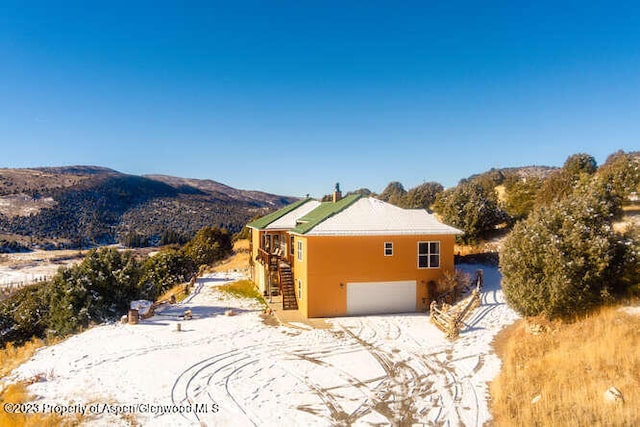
[381,297]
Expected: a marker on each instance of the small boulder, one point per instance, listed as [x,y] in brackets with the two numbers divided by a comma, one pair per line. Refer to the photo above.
[535,328]
[536,399]
[229,313]
[613,395]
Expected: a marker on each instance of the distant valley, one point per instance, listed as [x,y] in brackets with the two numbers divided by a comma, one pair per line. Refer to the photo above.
[79,206]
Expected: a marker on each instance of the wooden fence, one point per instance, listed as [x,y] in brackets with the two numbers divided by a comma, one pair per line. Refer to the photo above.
[449,318]
[8,288]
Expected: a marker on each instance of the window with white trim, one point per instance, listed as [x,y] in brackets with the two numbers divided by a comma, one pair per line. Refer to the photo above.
[299,251]
[388,248]
[299,289]
[428,254]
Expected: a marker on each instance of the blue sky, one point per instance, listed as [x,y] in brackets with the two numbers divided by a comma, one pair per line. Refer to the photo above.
[291,97]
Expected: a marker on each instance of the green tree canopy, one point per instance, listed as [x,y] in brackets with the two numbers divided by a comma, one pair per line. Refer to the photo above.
[97,289]
[470,208]
[580,163]
[164,270]
[393,193]
[210,244]
[622,171]
[422,196]
[562,182]
[520,195]
[565,258]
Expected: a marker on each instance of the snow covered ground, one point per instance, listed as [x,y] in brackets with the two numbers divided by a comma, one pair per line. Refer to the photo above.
[27,267]
[238,370]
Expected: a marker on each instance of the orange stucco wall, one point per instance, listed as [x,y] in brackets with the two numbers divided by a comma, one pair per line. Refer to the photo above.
[331,261]
[300,273]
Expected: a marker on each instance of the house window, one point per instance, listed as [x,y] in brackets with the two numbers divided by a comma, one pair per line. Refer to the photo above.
[299,289]
[428,254]
[388,248]
[293,248]
[299,251]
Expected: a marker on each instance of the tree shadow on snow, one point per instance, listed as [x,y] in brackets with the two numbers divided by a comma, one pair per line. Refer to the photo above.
[198,312]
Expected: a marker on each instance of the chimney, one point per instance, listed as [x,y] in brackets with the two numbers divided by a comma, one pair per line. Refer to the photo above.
[337,194]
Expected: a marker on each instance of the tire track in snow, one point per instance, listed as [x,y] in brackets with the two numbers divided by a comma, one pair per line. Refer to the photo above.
[417,386]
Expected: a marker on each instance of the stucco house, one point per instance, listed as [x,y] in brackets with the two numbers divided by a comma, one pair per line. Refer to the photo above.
[350,256]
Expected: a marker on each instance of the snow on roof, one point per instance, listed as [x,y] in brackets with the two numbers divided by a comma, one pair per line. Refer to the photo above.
[369,216]
[262,222]
[288,221]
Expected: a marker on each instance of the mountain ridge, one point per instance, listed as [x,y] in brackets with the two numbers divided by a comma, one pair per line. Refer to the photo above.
[88,205]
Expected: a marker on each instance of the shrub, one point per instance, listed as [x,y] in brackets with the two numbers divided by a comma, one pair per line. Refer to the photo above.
[470,208]
[622,171]
[24,315]
[521,196]
[164,270]
[393,193]
[422,196]
[210,244]
[580,163]
[97,289]
[563,182]
[566,258]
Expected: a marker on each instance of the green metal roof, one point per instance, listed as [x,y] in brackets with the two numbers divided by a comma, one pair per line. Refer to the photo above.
[262,222]
[323,212]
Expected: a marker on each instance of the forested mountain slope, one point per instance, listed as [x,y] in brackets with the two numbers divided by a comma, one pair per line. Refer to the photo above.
[84,205]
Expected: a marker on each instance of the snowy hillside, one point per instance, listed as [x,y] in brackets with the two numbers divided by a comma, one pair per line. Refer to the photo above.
[239,370]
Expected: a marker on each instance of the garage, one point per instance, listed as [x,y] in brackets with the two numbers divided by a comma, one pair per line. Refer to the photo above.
[381,297]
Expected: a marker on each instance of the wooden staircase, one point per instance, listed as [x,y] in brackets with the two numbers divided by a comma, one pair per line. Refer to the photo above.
[287,287]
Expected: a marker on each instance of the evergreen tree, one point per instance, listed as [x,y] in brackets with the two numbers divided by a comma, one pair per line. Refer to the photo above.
[210,244]
[164,270]
[580,163]
[520,196]
[565,258]
[469,208]
[393,193]
[422,196]
[622,171]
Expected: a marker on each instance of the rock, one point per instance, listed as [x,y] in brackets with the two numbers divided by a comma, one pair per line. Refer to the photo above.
[536,399]
[613,395]
[124,319]
[229,313]
[535,328]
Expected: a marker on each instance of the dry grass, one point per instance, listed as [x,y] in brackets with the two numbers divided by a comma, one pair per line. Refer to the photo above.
[11,357]
[242,289]
[569,367]
[238,261]
[178,291]
[15,393]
